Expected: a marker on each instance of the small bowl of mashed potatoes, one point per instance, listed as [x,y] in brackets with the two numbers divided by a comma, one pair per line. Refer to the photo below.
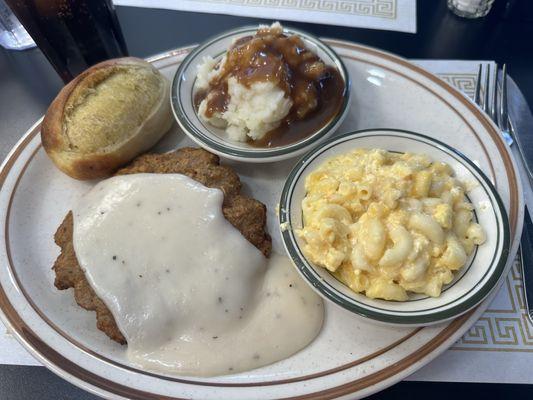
[395,226]
[261,94]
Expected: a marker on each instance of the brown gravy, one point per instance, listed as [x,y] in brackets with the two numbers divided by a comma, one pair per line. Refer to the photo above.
[316,90]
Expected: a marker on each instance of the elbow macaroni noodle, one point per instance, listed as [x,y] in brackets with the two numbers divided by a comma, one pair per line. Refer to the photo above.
[386,223]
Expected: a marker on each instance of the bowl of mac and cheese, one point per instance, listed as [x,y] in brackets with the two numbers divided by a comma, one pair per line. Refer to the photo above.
[395,226]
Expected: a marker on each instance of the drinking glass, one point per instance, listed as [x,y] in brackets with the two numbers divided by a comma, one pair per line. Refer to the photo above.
[470,8]
[72,34]
[13,36]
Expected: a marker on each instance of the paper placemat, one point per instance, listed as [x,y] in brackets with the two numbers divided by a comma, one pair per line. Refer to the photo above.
[498,348]
[391,15]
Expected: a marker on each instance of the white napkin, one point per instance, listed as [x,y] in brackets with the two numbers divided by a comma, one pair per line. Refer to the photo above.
[391,15]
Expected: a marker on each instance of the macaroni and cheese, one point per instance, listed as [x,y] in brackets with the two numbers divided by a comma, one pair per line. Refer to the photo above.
[387,223]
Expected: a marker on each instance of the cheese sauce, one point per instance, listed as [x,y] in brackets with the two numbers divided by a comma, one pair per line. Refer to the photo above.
[189,293]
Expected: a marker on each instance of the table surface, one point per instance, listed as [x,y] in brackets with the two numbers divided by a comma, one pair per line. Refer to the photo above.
[28,84]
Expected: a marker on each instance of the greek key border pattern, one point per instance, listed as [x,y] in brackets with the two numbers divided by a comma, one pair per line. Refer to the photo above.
[507,329]
[365,8]
[466,83]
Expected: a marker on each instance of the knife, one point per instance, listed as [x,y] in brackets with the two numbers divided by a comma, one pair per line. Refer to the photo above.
[521,124]
[526,245]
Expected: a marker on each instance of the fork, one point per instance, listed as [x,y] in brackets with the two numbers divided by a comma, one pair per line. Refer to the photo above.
[497,111]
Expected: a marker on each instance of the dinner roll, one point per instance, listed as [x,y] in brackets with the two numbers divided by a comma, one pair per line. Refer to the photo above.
[106,116]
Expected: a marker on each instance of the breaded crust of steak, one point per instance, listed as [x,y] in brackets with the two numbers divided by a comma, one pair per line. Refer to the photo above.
[246,214]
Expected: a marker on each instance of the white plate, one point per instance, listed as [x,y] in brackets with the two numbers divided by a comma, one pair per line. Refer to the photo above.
[349,358]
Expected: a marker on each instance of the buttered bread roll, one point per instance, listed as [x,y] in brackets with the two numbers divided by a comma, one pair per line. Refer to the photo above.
[106,116]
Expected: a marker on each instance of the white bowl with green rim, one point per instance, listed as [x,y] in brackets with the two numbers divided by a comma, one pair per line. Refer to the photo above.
[471,284]
[215,139]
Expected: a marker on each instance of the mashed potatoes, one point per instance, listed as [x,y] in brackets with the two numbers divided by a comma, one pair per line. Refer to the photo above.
[251,112]
[266,85]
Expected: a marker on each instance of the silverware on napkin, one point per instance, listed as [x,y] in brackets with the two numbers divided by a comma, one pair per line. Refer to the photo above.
[512,115]
[521,122]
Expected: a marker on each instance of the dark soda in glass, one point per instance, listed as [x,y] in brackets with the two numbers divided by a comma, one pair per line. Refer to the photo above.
[72,34]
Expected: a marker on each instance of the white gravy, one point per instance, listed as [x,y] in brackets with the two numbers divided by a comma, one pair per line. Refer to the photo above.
[189,293]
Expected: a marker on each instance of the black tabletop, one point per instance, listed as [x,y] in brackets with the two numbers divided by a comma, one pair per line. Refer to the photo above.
[28,84]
